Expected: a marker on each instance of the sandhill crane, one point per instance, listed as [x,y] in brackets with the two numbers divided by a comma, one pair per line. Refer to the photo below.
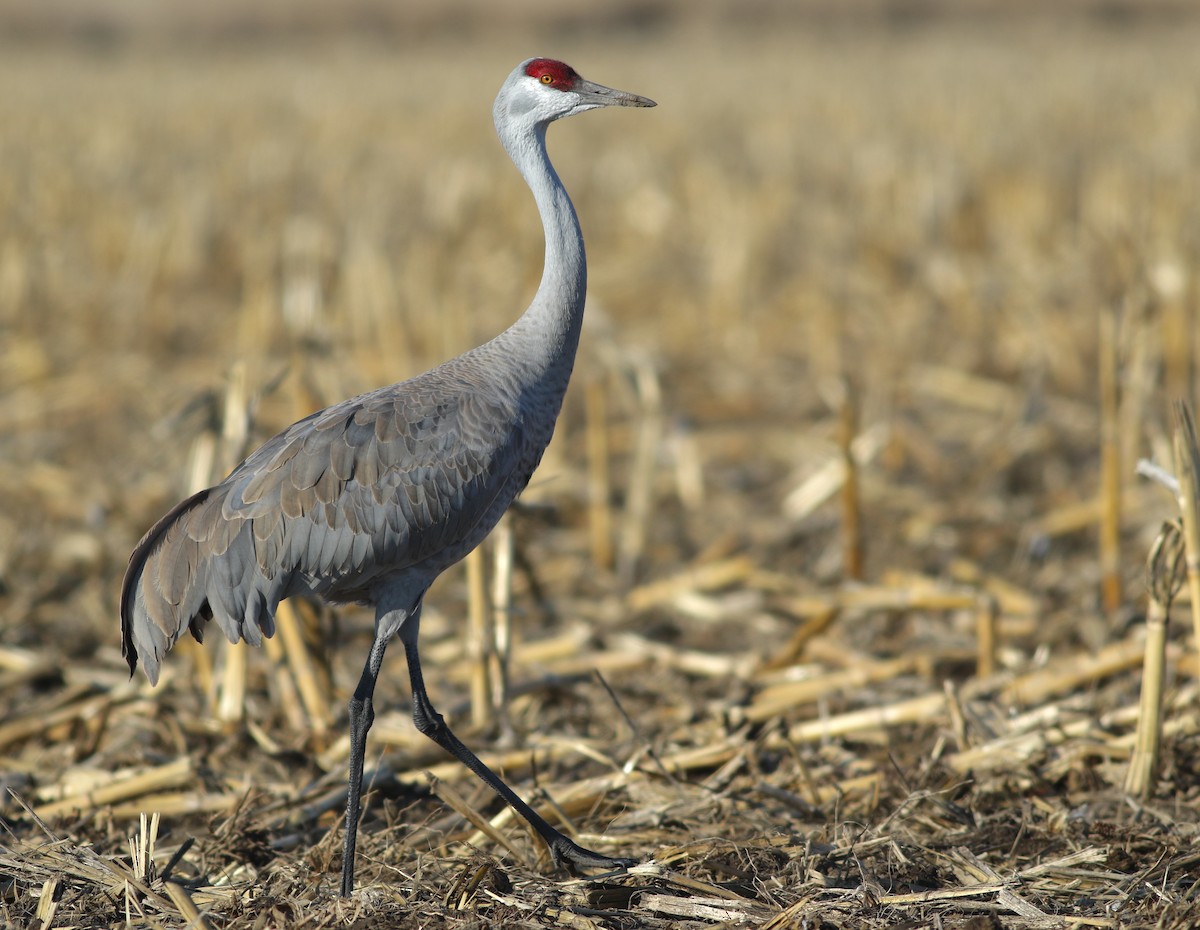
[369,500]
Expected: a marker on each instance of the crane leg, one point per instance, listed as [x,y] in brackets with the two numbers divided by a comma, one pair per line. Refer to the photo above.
[362,715]
[428,721]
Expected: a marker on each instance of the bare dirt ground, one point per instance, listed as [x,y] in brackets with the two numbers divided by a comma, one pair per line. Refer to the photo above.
[968,247]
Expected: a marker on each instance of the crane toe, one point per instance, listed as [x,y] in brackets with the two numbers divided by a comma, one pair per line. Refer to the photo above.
[577,860]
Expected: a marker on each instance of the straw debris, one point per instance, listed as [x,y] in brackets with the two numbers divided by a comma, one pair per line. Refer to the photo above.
[827,602]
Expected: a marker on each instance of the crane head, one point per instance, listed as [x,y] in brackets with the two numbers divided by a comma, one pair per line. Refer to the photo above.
[542,89]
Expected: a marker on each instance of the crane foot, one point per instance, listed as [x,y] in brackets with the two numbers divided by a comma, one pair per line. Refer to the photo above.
[575,859]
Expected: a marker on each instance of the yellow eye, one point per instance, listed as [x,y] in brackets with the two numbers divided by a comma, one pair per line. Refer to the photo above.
[547,78]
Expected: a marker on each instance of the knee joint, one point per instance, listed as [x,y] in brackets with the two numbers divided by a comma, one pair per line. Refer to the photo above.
[427,720]
[362,712]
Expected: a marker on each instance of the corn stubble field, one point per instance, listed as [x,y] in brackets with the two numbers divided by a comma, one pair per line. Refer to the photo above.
[959,256]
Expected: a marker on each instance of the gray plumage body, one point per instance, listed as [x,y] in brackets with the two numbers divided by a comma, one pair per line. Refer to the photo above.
[371,499]
[388,488]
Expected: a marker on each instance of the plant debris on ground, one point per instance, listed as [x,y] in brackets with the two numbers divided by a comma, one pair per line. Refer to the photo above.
[829,600]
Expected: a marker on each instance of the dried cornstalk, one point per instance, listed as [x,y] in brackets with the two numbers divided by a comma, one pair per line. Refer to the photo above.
[852,543]
[1110,464]
[1166,574]
[141,847]
[824,483]
[177,804]
[1011,599]
[75,706]
[48,903]
[502,616]
[640,490]
[600,515]
[480,644]
[791,651]
[1187,467]
[777,699]
[695,908]
[987,615]
[703,577]
[287,697]
[1071,671]
[231,702]
[143,782]
[920,709]
[313,694]
[195,920]
[459,805]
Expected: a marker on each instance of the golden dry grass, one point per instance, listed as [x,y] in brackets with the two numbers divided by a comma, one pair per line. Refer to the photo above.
[929,225]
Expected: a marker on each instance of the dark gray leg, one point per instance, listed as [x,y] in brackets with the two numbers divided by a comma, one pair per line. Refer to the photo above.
[563,851]
[362,715]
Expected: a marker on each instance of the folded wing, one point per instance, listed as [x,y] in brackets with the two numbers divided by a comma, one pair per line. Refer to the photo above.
[334,505]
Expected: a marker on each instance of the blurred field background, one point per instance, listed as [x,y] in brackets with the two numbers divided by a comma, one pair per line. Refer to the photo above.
[938,240]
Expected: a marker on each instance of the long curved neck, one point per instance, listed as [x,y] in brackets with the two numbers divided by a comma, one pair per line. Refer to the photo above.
[548,331]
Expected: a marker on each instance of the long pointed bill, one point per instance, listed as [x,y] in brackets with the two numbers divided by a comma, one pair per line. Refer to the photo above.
[601,96]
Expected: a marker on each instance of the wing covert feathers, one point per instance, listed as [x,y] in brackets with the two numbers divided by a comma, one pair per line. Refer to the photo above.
[348,497]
